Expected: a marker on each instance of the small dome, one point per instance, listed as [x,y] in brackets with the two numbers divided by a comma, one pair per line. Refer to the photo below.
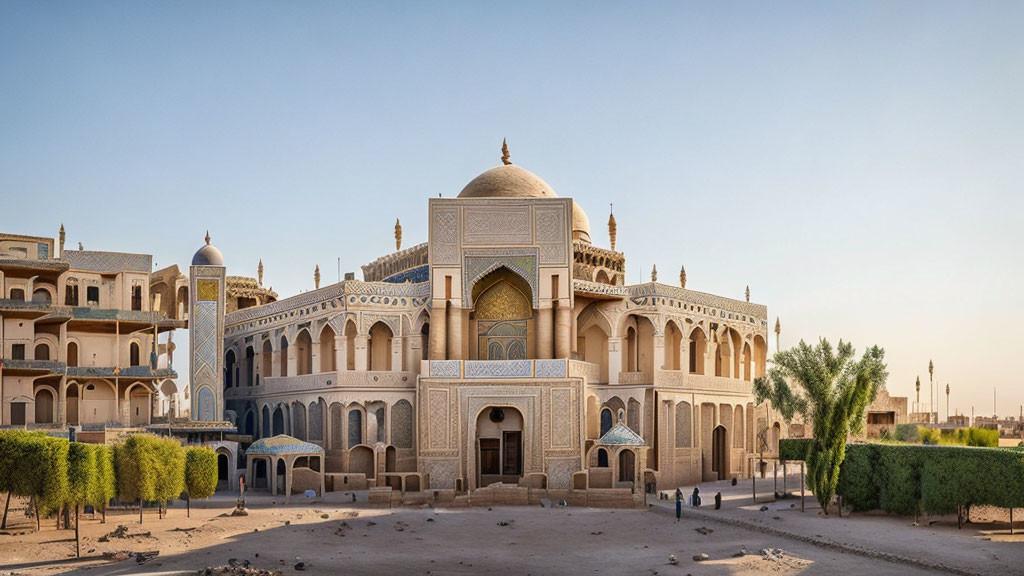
[208,255]
[580,224]
[507,181]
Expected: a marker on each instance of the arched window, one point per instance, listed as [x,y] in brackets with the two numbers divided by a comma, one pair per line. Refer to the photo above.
[72,359]
[284,356]
[41,296]
[327,349]
[133,354]
[304,353]
[606,420]
[380,347]
[229,369]
[42,351]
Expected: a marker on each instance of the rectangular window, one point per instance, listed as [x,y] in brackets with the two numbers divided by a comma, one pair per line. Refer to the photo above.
[92,294]
[44,251]
[136,297]
[490,451]
[71,295]
[18,352]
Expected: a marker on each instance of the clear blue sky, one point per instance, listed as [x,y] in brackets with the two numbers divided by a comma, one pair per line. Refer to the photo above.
[858,164]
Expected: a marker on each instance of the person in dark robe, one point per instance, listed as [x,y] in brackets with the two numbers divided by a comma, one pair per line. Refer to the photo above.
[679,504]
[718,501]
[695,498]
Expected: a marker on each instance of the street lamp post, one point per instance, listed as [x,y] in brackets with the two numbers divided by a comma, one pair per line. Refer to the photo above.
[947,401]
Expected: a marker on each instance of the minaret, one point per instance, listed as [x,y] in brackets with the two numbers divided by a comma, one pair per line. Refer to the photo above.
[654,273]
[748,293]
[682,276]
[917,387]
[398,235]
[504,153]
[259,272]
[316,277]
[931,392]
[61,239]
[206,333]
[613,228]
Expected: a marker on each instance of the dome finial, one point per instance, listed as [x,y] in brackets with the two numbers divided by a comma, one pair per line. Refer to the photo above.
[654,273]
[207,236]
[748,293]
[259,272]
[504,153]
[316,277]
[682,276]
[613,227]
[398,235]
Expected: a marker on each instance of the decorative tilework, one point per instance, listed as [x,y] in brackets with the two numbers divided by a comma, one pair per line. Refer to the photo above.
[551,368]
[107,261]
[205,334]
[206,404]
[551,234]
[207,290]
[445,368]
[481,262]
[499,368]
[444,232]
[560,473]
[437,406]
[561,414]
[496,225]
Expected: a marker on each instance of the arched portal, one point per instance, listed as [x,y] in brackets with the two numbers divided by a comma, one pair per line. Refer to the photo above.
[627,466]
[284,357]
[502,309]
[71,404]
[42,351]
[607,421]
[134,354]
[229,369]
[350,345]
[673,347]
[327,349]
[698,349]
[44,406]
[720,452]
[72,359]
[499,433]
[304,353]
[379,346]
[267,431]
[250,425]
[278,421]
[250,365]
[223,474]
[268,359]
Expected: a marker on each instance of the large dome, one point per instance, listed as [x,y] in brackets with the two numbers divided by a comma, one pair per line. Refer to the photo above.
[208,255]
[507,181]
[511,181]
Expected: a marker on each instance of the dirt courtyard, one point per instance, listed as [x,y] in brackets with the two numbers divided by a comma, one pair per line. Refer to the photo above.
[355,539]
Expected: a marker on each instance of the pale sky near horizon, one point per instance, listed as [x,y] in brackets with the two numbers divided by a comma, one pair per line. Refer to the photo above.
[857,164]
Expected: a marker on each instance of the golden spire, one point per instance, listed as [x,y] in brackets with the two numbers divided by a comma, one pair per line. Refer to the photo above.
[62,236]
[682,276]
[207,236]
[316,277]
[613,228]
[398,235]
[654,273]
[259,272]
[748,293]
[504,153]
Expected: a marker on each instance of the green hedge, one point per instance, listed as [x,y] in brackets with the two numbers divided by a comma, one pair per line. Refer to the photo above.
[200,472]
[903,478]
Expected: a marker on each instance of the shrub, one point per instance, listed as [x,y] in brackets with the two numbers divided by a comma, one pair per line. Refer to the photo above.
[104,489]
[907,433]
[794,448]
[856,483]
[929,435]
[136,468]
[170,478]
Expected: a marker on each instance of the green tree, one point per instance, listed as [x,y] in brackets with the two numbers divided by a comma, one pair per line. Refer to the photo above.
[82,481]
[12,444]
[105,487]
[200,474]
[835,391]
[170,479]
[135,464]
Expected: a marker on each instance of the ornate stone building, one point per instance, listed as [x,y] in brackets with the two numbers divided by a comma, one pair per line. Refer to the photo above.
[508,348]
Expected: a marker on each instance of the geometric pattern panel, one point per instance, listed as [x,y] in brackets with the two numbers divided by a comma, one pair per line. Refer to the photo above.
[551,368]
[206,403]
[204,327]
[401,424]
[207,290]
[480,262]
[445,369]
[499,369]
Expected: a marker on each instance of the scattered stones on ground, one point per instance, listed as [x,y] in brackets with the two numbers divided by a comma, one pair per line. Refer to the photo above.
[287,522]
[505,522]
[773,554]
[700,557]
[350,514]
[672,560]
[300,566]
[400,526]
[236,571]
[596,533]
[764,508]
[703,530]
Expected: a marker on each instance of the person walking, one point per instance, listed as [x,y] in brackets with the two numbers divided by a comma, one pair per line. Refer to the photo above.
[679,504]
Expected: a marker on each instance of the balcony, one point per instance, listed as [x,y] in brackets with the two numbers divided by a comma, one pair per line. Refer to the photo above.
[324,381]
[34,367]
[635,378]
[681,379]
[142,372]
[496,369]
[50,310]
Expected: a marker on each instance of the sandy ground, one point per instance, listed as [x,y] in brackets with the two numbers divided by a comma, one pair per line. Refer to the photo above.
[355,539]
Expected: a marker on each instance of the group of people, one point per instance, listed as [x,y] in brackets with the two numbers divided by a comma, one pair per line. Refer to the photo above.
[694,501]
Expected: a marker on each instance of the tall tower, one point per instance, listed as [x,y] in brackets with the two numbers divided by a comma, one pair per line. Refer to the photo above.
[206,333]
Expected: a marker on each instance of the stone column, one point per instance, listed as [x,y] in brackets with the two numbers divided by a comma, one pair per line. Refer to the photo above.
[293,359]
[684,359]
[314,360]
[62,398]
[563,332]
[545,330]
[454,333]
[275,363]
[362,352]
[340,354]
[397,347]
[614,359]
[438,337]
[659,353]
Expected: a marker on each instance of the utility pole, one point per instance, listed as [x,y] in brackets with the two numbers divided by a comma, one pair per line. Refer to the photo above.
[931,392]
[947,402]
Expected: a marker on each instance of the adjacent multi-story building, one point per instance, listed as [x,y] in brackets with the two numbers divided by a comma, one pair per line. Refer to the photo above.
[79,334]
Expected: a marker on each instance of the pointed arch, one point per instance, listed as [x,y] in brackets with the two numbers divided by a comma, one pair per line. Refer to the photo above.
[327,337]
[303,353]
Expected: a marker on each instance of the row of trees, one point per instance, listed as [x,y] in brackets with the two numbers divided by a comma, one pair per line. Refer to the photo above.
[58,475]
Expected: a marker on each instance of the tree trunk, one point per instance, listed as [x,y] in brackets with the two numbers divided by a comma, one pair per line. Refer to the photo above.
[78,540]
[35,506]
[3,526]
[104,521]
[188,507]
[140,510]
